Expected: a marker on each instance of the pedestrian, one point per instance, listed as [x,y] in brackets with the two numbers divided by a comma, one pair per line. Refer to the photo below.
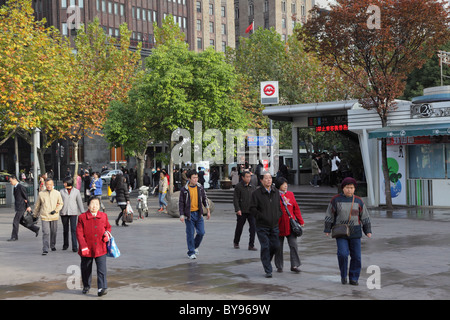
[146,180]
[192,196]
[315,170]
[287,199]
[93,231]
[122,197]
[201,176]
[96,188]
[163,188]
[184,178]
[265,206]
[234,175]
[20,207]
[346,208]
[87,186]
[48,205]
[71,209]
[335,161]
[79,182]
[241,199]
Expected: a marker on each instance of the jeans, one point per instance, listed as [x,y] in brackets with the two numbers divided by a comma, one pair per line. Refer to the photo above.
[162,200]
[352,247]
[194,223]
[270,244]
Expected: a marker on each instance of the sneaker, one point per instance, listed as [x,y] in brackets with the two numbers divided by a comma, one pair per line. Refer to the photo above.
[192,257]
[196,251]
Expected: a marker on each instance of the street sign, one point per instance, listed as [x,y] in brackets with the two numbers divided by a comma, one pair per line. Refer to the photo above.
[255,141]
[269,92]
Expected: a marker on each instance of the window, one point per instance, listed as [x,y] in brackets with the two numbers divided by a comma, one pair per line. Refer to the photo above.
[222,11]
[63,3]
[224,29]
[81,3]
[199,43]
[144,14]
[428,161]
[283,6]
[211,9]
[283,23]
[138,13]
[64,29]
[117,155]
[122,10]
[97,5]
[211,42]
[116,8]
[110,7]
[211,27]
[224,46]
[266,6]
[103,5]
[251,10]
[199,6]
[236,12]
[199,25]
[133,12]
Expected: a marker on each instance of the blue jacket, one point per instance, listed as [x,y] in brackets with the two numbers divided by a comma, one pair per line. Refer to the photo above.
[184,202]
[98,186]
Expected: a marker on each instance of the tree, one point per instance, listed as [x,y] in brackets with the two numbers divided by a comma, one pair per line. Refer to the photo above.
[34,68]
[376,44]
[104,71]
[182,86]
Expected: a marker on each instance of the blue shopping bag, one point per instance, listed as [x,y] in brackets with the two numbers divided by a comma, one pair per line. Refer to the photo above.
[111,247]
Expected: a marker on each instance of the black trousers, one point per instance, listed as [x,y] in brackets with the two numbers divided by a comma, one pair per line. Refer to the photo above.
[70,223]
[240,222]
[16,222]
[270,244]
[86,271]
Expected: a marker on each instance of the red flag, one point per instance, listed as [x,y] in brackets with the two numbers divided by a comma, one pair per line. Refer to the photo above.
[250,27]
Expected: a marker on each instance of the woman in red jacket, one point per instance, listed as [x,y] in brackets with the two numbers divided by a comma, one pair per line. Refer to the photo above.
[92,237]
[288,198]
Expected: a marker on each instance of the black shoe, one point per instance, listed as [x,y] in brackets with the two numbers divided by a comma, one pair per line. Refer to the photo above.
[64,248]
[268,275]
[102,292]
[37,232]
[344,280]
[124,224]
[354,282]
[12,239]
[85,290]
[252,248]
[44,253]
[74,250]
[236,246]
[53,249]
[117,222]
[295,269]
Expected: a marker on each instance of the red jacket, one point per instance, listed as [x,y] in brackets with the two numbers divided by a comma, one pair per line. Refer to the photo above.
[90,232]
[294,210]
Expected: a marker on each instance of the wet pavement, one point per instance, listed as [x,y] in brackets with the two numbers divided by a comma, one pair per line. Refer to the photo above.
[407,258]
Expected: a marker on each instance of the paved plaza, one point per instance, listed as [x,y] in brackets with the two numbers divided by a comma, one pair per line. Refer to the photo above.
[407,258]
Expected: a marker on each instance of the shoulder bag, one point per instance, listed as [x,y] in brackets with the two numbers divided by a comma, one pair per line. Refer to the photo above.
[296,228]
[342,230]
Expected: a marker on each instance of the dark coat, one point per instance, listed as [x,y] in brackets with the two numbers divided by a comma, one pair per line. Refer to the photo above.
[184,201]
[265,207]
[20,198]
[122,194]
[242,196]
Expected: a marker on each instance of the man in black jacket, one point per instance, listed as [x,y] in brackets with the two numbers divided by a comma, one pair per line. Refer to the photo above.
[241,200]
[20,206]
[265,206]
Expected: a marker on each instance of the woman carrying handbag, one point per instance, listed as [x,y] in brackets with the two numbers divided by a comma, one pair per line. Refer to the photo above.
[122,197]
[289,208]
[347,210]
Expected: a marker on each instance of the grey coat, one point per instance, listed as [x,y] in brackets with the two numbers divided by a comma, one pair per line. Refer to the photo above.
[72,203]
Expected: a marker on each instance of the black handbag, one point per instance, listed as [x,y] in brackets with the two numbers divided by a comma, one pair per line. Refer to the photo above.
[296,228]
[342,230]
[28,220]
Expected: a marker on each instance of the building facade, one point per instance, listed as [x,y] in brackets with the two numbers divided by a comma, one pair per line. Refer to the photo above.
[283,15]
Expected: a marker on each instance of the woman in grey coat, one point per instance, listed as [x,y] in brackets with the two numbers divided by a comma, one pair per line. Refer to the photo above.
[72,207]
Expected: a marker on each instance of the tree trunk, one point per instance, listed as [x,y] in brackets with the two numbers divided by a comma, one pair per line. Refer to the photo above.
[140,159]
[75,150]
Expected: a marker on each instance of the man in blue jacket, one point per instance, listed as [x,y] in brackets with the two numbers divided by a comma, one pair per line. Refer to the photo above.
[192,196]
